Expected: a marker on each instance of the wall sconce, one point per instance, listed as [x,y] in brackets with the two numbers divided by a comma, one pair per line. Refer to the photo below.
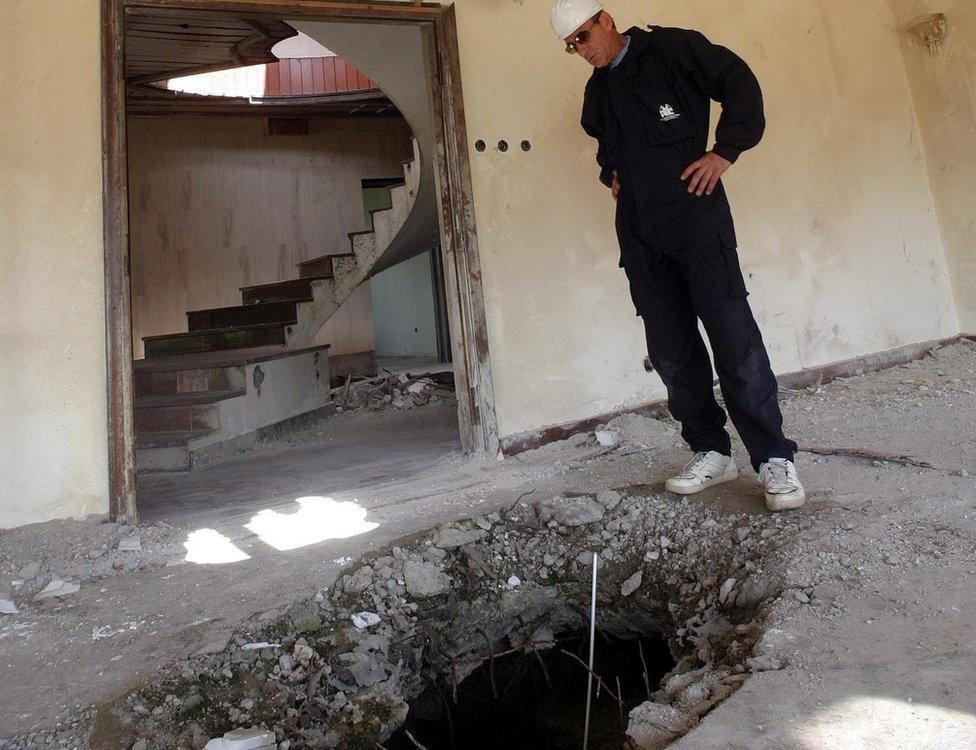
[930,31]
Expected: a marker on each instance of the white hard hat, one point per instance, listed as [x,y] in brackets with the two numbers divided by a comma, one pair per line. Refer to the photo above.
[568,15]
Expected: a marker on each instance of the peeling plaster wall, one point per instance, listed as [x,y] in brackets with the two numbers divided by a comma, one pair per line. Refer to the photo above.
[53,439]
[839,239]
[944,90]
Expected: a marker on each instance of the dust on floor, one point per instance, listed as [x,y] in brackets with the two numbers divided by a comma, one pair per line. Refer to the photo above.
[883,651]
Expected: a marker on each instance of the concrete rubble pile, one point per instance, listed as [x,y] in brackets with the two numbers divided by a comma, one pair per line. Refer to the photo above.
[339,670]
[397,391]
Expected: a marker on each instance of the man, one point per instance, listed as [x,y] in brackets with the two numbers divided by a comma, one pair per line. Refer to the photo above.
[647,105]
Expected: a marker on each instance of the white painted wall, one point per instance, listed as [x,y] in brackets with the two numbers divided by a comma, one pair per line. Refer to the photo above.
[404,322]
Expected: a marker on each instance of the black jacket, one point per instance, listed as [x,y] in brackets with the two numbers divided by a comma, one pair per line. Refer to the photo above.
[650,115]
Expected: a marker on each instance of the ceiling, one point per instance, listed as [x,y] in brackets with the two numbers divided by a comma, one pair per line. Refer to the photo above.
[169,43]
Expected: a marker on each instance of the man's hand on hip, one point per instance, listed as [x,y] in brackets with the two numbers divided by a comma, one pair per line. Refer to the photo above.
[615,185]
[705,173]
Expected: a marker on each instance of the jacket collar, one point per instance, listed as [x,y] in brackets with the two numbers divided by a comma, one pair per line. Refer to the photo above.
[639,41]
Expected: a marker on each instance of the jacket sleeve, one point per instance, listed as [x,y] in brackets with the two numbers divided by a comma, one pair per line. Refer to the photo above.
[726,78]
[592,122]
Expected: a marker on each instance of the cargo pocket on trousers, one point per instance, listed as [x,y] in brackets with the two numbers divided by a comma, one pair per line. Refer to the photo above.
[737,285]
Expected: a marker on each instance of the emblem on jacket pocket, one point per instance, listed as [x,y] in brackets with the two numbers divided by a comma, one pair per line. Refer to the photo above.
[668,113]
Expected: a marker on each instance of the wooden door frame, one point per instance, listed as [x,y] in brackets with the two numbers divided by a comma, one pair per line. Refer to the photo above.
[459,241]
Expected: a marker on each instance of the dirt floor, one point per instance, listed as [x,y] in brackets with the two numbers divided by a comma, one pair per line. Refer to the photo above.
[875,635]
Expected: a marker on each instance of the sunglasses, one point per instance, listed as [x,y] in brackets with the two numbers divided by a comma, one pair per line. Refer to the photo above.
[583,36]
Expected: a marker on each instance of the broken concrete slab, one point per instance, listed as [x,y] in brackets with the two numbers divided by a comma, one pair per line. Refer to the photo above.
[424,579]
[449,538]
[570,511]
[7,607]
[58,588]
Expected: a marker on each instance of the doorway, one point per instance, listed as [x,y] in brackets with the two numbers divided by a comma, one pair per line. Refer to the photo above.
[457,258]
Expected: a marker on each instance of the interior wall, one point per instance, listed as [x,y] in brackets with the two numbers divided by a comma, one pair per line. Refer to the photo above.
[403,309]
[216,204]
[839,239]
[944,90]
[53,442]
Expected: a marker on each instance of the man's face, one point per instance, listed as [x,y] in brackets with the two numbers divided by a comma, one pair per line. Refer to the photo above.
[599,44]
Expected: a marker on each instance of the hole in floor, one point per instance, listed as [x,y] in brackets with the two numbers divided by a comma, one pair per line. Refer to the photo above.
[537,699]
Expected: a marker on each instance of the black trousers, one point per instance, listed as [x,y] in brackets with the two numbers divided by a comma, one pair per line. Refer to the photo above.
[674,290]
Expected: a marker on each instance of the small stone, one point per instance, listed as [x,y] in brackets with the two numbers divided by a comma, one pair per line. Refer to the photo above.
[664,542]
[363,620]
[359,581]
[633,583]
[140,745]
[514,582]
[764,663]
[610,499]
[723,593]
[651,555]
[130,543]
[30,571]
[254,738]
[607,438]
[7,607]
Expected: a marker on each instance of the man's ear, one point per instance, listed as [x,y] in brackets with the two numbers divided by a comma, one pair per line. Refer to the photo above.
[607,21]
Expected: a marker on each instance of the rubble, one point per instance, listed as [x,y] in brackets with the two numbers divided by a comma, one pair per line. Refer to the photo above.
[389,390]
[654,726]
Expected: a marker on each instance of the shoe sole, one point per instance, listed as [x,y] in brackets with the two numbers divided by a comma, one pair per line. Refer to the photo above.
[698,488]
[778,503]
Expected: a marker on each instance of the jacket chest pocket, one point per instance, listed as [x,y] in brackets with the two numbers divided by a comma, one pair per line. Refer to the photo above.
[665,117]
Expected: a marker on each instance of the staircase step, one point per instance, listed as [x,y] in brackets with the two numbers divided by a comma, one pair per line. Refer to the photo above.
[168,439]
[187,399]
[293,290]
[186,381]
[244,315]
[321,267]
[205,361]
[240,337]
[155,419]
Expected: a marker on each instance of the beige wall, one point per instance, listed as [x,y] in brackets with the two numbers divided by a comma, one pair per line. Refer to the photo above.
[944,90]
[53,442]
[835,218]
[216,204]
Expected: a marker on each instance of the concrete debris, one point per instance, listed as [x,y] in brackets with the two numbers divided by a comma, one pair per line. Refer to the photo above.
[260,645]
[424,579]
[449,538]
[243,739]
[7,607]
[364,620]
[633,583]
[570,511]
[726,590]
[30,571]
[57,588]
[607,438]
[396,391]
[130,543]
[654,726]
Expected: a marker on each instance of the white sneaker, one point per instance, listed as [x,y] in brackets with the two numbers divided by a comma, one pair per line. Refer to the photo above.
[702,472]
[783,489]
